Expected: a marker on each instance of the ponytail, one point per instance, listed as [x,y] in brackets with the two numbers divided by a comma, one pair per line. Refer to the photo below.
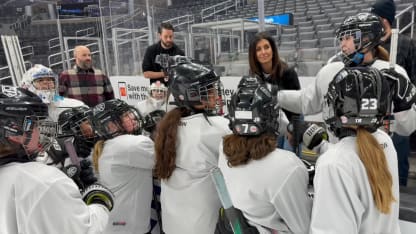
[382,53]
[372,156]
[165,142]
[98,150]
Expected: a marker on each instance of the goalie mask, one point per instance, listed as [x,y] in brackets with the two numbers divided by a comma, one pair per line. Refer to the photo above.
[192,85]
[357,96]
[23,113]
[42,81]
[115,117]
[77,122]
[366,30]
[252,109]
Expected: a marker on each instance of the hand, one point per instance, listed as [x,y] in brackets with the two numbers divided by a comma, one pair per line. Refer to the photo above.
[86,174]
[313,136]
[98,194]
[57,151]
[404,92]
[82,148]
[310,134]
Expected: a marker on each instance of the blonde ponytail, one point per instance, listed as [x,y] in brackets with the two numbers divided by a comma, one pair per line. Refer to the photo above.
[98,149]
[375,163]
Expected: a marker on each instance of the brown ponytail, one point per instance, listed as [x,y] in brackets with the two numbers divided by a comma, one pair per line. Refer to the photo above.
[382,53]
[165,142]
[375,163]
[240,149]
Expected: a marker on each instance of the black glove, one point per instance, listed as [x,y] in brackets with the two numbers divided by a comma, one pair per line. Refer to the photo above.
[57,151]
[87,173]
[404,92]
[82,147]
[98,194]
[73,172]
[83,176]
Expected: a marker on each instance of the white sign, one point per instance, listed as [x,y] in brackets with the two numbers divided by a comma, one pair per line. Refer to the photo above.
[133,89]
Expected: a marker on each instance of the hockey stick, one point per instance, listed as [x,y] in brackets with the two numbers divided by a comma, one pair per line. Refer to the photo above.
[74,169]
[237,221]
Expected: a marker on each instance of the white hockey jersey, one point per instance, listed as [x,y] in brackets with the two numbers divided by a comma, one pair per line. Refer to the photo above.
[343,201]
[189,199]
[309,100]
[125,167]
[272,192]
[39,199]
[57,107]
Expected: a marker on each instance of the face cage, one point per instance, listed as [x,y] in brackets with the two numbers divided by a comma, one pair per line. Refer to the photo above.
[47,95]
[78,130]
[208,93]
[134,117]
[355,56]
[158,91]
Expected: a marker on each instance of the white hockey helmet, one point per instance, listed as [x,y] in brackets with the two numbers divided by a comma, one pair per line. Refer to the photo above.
[42,81]
[158,90]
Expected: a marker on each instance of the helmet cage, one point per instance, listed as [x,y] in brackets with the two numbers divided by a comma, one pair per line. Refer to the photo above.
[158,88]
[366,29]
[72,122]
[37,74]
[108,119]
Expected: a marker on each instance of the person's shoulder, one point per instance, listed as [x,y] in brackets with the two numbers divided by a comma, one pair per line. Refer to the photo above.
[381,64]
[334,66]
[40,173]
[69,102]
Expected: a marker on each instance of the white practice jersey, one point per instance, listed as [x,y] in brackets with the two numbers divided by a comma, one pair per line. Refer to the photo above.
[39,199]
[189,199]
[125,167]
[309,100]
[271,192]
[343,201]
[57,107]
[151,104]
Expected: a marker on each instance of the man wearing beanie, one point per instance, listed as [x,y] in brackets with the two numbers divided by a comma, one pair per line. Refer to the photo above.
[406,51]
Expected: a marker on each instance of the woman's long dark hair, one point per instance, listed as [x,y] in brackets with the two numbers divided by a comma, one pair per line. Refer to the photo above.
[239,150]
[278,65]
[165,142]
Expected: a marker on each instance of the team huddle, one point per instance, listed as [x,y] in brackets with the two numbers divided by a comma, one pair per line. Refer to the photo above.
[116,168]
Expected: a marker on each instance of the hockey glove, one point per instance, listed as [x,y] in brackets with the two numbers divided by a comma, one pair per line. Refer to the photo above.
[313,136]
[404,92]
[82,148]
[87,173]
[98,194]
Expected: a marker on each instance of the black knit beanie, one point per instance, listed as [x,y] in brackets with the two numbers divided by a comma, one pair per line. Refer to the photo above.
[385,9]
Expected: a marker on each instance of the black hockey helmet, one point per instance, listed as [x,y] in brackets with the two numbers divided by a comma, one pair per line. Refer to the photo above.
[20,112]
[192,84]
[150,120]
[77,121]
[252,108]
[367,30]
[108,119]
[357,96]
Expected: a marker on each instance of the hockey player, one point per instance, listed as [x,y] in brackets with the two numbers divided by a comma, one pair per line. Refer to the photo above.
[157,99]
[356,181]
[124,161]
[269,185]
[186,147]
[37,198]
[43,81]
[359,36]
